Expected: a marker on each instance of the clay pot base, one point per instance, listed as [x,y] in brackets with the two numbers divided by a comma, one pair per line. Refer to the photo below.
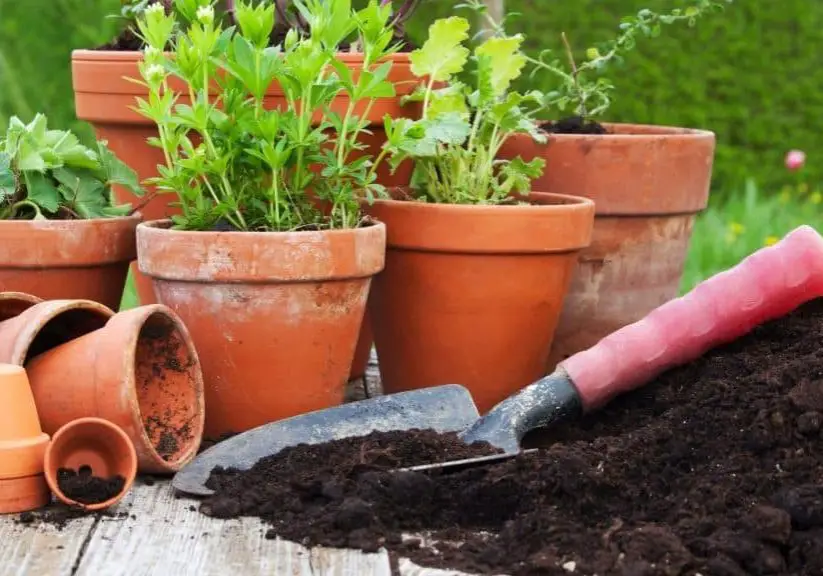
[14,303]
[23,494]
[166,374]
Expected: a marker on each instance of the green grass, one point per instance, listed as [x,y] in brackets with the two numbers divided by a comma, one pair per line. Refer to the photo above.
[745,221]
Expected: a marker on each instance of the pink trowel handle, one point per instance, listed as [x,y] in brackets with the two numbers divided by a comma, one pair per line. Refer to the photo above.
[767,285]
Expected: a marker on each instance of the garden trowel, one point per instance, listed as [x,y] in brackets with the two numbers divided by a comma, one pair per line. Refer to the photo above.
[767,285]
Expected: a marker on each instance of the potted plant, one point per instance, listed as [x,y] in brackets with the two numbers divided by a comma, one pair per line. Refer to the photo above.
[105,98]
[476,266]
[61,235]
[648,183]
[270,259]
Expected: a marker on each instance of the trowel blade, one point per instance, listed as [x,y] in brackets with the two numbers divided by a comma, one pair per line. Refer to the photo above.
[447,408]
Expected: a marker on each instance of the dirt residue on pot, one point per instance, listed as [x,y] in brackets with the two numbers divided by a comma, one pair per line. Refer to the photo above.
[166,376]
[83,486]
[574,125]
[712,469]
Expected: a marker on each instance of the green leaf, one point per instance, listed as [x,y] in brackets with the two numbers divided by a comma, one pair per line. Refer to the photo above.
[451,128]
[519,173]
[504,60]
[68,150]
[41,190]
[449,100]
[7,180]
[117,172]
[442,55]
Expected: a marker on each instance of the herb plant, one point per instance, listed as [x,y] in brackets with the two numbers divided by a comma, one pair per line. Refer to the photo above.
[48,174]
[231,161]
[581,89]
[463,126]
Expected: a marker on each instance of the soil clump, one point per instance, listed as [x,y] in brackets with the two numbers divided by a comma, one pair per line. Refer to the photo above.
[83,486]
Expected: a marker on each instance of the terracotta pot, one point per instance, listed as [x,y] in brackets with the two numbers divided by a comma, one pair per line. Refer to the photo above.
[97,445]
[471,294]
[47,325]
[13,303]
[22,445]
[275,316]
[141,372]
[648,183]
[105,98]
[68,259]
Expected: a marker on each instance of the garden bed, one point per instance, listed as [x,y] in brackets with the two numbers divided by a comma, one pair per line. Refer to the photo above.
[712,469]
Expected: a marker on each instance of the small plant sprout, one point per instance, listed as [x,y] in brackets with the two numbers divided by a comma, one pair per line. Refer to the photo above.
[233,162]
[47,174]
[455,143]
[581,90]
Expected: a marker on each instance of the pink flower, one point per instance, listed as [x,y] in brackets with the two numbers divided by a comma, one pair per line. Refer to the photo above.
[795,159]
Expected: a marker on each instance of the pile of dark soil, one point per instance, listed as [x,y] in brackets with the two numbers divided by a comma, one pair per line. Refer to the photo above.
[714,469]
[574,125]
[84,487]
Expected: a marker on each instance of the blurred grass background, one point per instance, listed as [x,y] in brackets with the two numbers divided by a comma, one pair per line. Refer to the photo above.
[749,74]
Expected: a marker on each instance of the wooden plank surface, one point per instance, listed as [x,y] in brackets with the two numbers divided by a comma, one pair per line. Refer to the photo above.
[26,550]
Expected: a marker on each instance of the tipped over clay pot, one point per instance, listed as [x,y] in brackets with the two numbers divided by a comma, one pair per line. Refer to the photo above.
[22,445]
[68,259]
[41,326]
[90,463]
[141,372]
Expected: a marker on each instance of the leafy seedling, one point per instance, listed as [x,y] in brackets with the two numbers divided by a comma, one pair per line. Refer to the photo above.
[48,174]
[455,144]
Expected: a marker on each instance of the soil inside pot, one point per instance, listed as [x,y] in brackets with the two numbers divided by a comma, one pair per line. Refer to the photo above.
[712,469]
[574,125]
[83,486]
[165,374]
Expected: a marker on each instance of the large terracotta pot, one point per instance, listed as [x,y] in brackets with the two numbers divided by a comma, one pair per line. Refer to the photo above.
[68,259]
[471,295]
[274,316]
[105,98]
[648,184]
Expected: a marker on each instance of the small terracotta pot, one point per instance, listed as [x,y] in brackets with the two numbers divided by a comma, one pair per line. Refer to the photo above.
[68,259]
[471,294]
[648,183]
[275,316]
[105,98]
[141,372]
[46,325]
[13,303]
[22,445]
[96,444]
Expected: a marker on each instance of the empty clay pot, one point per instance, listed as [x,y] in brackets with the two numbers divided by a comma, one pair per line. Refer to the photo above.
[648,184]
[471,295]
[141,372]
[22,445]
[92,447]
[275,316]
[68,259]
[44,325]
[13,303]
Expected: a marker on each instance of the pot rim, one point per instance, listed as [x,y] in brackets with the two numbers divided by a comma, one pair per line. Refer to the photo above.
[90,55]
[67,243]
[489,229]
[234,257]
[138,318]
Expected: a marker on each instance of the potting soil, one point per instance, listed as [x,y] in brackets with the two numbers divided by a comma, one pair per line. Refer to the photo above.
[83,486]
[713,469]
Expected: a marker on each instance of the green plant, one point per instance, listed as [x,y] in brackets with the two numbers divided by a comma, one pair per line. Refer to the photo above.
[455,143]
[581,88]
[259,169]
[48,174]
